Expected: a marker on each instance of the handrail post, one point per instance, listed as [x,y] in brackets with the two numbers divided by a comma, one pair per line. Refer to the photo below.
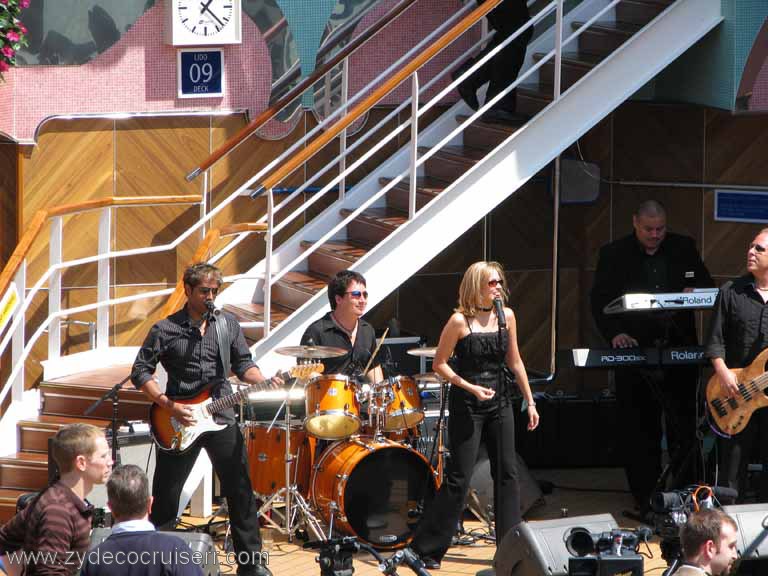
[343,136]
[103,281]
[54,287]
[414,144]
[17,342]
[205,199]
[268,264]
[558,49]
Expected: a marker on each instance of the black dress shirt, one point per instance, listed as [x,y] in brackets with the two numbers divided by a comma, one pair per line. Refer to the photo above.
[738,331]
[191,359]
[624,267]
[325,332]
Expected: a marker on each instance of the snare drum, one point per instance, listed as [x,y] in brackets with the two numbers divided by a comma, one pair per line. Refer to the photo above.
[333,411]
[266,457]
[404,408]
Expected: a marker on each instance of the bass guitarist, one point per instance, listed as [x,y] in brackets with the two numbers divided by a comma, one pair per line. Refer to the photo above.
[737,334]
[197,349]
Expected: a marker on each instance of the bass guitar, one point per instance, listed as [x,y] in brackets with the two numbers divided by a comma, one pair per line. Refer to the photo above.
[732,414]
[171,435]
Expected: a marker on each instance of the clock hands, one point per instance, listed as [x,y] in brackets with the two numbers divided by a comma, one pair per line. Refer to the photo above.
[205,8]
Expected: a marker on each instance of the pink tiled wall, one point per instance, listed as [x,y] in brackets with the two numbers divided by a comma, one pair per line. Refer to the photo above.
[759,100]
[138,74]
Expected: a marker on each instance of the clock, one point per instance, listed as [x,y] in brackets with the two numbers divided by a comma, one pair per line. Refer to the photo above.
[203,22]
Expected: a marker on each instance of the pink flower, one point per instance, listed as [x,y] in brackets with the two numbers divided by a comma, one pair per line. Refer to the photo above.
[22,28]
[4,67]
[4,2]
[8,52]
[24,4]
[11,35]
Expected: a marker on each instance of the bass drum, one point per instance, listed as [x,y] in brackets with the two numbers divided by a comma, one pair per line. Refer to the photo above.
[375,490]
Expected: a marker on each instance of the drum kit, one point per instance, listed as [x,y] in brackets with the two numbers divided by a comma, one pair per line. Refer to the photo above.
[349,466]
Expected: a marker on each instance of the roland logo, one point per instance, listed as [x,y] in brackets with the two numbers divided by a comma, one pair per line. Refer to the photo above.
[615,358]
[684,355]
[692,299]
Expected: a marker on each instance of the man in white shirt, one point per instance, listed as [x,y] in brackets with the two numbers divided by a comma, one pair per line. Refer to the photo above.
[708,540]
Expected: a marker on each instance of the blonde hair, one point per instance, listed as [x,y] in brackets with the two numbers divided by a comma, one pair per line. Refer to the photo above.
[472,285]
[72,441]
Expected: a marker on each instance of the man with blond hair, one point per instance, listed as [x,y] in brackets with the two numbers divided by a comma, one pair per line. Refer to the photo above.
[50,535]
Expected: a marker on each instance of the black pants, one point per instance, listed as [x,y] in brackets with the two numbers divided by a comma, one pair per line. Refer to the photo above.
[470,423]
[643,396]
[226,450]
[735,453]
[501,70]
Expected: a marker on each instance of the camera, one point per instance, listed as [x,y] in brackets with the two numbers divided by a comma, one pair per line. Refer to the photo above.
[605,553]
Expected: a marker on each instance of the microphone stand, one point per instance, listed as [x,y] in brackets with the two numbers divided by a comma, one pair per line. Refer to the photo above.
[114,394]
[498,497]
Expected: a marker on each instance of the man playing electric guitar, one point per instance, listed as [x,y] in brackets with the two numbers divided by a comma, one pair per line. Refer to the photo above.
[738,332]
[197,349]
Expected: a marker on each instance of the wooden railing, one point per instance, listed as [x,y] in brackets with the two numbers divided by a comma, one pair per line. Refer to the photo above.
[300,88]
[366,104]
[41,216]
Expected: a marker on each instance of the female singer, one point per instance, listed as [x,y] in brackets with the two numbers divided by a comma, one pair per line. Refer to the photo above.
[472,335]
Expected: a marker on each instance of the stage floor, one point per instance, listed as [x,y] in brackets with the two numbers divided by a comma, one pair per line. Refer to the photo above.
[577,492]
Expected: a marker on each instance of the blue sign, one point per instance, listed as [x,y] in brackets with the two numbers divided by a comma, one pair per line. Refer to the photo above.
[741,206]
[201,73]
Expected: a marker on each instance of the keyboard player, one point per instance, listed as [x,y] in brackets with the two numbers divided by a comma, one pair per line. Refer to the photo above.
[651,260]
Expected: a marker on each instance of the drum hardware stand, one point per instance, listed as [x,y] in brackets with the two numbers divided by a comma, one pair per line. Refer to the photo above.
[296,510]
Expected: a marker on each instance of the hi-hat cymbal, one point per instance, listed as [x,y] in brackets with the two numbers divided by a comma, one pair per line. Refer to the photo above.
[428,378]
[428,352]
[311,351]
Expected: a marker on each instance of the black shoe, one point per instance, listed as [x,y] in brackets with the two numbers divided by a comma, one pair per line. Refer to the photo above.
[501,116]
[466,91]
[257,570]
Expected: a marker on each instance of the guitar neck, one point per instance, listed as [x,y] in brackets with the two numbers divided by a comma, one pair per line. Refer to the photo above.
[231,400]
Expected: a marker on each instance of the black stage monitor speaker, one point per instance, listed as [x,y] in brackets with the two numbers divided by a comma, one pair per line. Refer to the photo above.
[538,548]
[752,542]
[197,542]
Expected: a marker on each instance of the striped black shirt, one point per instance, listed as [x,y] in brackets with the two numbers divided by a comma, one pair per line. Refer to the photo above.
[191,359]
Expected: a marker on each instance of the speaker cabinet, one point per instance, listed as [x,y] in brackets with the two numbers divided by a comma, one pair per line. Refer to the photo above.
[752,538]
[196,541]
[538,548]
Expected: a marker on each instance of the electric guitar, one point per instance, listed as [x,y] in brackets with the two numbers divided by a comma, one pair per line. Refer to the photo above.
[171,435]
[732,414]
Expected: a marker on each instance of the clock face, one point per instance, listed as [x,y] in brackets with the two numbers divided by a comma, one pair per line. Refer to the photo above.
[205,17]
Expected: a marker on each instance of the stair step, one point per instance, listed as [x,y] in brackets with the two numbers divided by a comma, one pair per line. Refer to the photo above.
[24,471]
[450,162]
[575,65]
[253,312]
[604,37]
[374,225]
[335,256]
[487,135]
[35,432]
[295,288]
[640,11]
[533,98]
[426,190]
[73,395]
[8,498]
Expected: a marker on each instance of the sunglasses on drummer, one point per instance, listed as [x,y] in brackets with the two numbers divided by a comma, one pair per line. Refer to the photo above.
[358,294]
[493,283]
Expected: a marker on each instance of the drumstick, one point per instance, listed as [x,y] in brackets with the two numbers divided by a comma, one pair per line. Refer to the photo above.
[383,336]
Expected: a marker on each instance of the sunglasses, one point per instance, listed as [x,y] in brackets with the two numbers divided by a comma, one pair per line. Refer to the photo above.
[494,283]
[358,294]
[759,249]
[205,291]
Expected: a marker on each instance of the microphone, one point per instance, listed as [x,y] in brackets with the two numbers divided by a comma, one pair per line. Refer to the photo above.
[725,495]
[500,313]
[212,310]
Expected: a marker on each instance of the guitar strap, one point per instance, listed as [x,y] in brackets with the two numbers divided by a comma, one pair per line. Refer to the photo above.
[222,335]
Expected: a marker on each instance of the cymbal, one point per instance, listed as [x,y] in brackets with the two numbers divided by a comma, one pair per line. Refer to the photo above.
[311,351]
[428,352]
[428,377]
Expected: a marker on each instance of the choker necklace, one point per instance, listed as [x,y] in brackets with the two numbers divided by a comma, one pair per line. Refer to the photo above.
[485,309]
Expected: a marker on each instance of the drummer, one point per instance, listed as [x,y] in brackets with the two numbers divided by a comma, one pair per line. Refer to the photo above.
[343,327]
